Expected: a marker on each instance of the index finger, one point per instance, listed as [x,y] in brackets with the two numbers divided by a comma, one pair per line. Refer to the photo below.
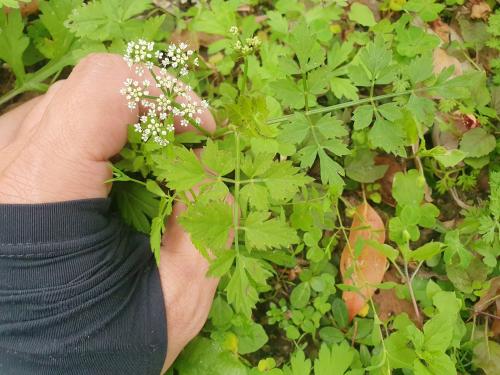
[89,115]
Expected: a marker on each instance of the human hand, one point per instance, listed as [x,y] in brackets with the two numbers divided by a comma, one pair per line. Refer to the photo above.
[56,148]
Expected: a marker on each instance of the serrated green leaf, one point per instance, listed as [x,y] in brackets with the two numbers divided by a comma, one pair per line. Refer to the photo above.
[362,116]
[219,161]
[299,365]
[106,20]
[387,136]
[137,205]
[263,233]
[208,224]
[343,87]
[283,180]
[240,292]
[181,171]
[331,171]
[335,361]
[13,42]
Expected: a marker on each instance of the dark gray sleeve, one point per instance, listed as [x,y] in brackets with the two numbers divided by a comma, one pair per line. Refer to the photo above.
[80,293]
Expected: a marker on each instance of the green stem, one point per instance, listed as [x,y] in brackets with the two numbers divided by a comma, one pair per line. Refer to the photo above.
[412,294]
[306,91]
[245,76]
[346,105]
[236,210]
[35,79]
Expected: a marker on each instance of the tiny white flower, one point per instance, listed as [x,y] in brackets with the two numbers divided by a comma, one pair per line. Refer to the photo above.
[234,30]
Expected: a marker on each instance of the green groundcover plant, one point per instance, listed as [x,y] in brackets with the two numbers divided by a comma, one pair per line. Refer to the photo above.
[360,143]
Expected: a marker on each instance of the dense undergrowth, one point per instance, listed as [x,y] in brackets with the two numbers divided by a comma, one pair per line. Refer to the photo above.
[360,141]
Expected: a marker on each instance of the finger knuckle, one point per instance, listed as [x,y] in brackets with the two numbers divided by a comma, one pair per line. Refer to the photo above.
[99,62]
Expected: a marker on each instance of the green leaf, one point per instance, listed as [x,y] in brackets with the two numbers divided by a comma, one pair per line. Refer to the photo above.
[158,226]
[208,224]
[477,142]
[255,195]
[13,42]
[221,313]
[387,250]
[218,19]
[154,188]
[299,365]
[205,357]
[447,158]
[361,14]
[53,16]
[240,293]
[222,264]
[277,22]
[422,108]
[251,337]
[296,130]
[137,205]
[414,41]
[12,3]
[376,57]
[331,171]
[455,247]
[334,362]
[428,10]
[438,333]
[289,93]
[308,50]
[283,180]
[361,167]
[390,111]
[387,136]
[343,87]
[420,68]
[362,117]
[408,189]
[219,161]
[466,279]
[399,353]
[330,127]
[331,335]
[340,313]
[263,233]
[182,171]
[106,20]
[300,295]
[426,251]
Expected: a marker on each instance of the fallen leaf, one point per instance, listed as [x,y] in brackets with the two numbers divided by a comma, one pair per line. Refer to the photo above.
[369,267]
[480,10]
[386,181]
[442,30]
[491,298]
[442,60]
[26,8]
[188,37]
[389,305]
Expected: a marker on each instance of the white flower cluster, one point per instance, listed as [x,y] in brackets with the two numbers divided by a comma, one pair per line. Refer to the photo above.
[173,101]
[248,46]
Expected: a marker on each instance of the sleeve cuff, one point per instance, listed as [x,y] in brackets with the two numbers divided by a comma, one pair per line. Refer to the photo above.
[52,222]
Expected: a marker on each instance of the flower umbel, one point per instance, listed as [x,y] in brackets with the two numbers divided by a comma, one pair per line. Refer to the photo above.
[174,101]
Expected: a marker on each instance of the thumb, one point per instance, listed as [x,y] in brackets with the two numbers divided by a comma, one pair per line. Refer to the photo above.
[88,116]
